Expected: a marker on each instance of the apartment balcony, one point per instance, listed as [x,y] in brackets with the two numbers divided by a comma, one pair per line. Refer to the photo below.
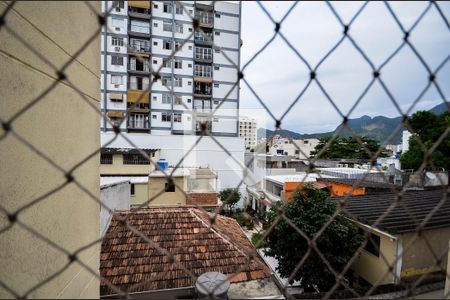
[202,93]
[202,39]
[200,58]
[138,96]
[202,77]
[139,12]
[138,69]
[138,50]
[205,19]
[203,124]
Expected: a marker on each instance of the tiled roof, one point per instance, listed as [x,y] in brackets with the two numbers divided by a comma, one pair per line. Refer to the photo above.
[410,211]
[134,265]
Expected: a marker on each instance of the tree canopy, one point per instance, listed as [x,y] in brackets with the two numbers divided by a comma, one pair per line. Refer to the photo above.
[347,147]
[230,197]
[428,128]
[309,210]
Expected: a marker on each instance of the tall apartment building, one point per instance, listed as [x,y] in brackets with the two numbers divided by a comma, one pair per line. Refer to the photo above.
[190,85]
[169,113]
[247,131]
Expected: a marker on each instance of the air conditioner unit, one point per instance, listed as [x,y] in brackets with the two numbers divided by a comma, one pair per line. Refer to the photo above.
[117,48]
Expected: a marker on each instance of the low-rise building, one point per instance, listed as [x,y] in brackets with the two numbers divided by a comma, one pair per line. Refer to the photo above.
[184,245]
[127,161]
[397,251]
[114,195]
[340,187]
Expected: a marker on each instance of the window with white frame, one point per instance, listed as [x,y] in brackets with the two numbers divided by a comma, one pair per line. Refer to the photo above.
[138,121]
[166,81]
[140,26]
[166,98]
[178,100]
[203,71]
[179,27]
[167,7]
[138,83]
[117,60]
[203,53]
[116,79]
[117,41]
[177,46]
[165,116]
[177,117]
[178,8]
[117,23]
[178,82]
[167,26]
[178,64]
[140,45]
[167,63]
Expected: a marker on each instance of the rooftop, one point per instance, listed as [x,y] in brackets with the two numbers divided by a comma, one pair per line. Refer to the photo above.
[126,150]
[297,177]
[107,180]
[363,183]
[406,215]
[134,265]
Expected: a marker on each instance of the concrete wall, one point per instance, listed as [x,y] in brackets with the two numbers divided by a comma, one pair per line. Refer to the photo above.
[447,280]
[140,193]
[372,268]
[114,196]
[419,259]
[64,128]
[157,184]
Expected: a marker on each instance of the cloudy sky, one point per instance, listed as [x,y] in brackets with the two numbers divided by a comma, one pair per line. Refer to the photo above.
[277,75]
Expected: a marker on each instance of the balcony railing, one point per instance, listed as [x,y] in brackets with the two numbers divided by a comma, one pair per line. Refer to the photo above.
[203,57]
[203,38]
[139,48]
[205,19]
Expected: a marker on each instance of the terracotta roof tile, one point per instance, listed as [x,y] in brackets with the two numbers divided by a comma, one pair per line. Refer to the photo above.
[134,265]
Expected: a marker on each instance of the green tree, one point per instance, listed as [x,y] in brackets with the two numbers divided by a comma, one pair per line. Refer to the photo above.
[230,197]
[427,127]
[309,210]
[347,147]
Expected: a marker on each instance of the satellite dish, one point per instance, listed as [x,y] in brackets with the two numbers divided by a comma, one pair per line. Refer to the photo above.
[430,175]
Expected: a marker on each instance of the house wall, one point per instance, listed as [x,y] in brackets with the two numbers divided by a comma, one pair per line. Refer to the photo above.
[118,168]
[419,259]
[64,128]
[157,184]
[140,193]
[114,196]
[372,268]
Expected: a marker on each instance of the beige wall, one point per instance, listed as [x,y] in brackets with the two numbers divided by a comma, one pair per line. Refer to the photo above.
[65,129]
[140,193]
[372,268]
[447,280]
[418,259]
[118,168]
[157,184]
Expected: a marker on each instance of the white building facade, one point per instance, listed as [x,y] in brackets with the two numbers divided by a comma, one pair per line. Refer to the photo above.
[147,90]
[300,149]
[247,131]
[169,71]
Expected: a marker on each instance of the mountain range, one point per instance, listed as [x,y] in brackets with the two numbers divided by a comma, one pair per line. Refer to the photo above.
[379,128]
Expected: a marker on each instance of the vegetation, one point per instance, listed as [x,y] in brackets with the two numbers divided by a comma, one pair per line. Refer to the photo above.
[309,210]
[230,197]
[428,127]
[256,240]
[347,147]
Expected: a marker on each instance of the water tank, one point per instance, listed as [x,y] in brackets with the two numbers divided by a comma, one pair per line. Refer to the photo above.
[212,285]
[163,164]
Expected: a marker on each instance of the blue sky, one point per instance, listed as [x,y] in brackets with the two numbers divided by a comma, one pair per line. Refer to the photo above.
[278,75]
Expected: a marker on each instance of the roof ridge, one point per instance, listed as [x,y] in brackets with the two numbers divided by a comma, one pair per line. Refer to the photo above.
[217,233]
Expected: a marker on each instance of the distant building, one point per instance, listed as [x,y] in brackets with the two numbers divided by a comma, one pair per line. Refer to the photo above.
[406,136]
[247,131]
[306,146]
[300,149]
[144,270]
[395,241]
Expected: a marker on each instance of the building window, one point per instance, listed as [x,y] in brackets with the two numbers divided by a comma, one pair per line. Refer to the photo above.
[166,81]
[117,60]
[190,47]
[155,24]
[165,117]
[154,117]
[155,43]
[217,15]
[138,121]
[189,100]
[116,41]
[177,46]
[169,187]
[119,4]
[167,8]
[178,82]
[132,189]
[106,158]
[167,62]
[189,82]
[135,159]
[177,117]
[140,26]
[178,28]
[190,29]
[178,8]
[166,98]
[178,100]
[189,65]
[178,64]
[116,79]
[155,5]
[138,83]
[217,33]
[167,44]
[216,85]
[155,61]
[216,68]
[373,244]
[167,26]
